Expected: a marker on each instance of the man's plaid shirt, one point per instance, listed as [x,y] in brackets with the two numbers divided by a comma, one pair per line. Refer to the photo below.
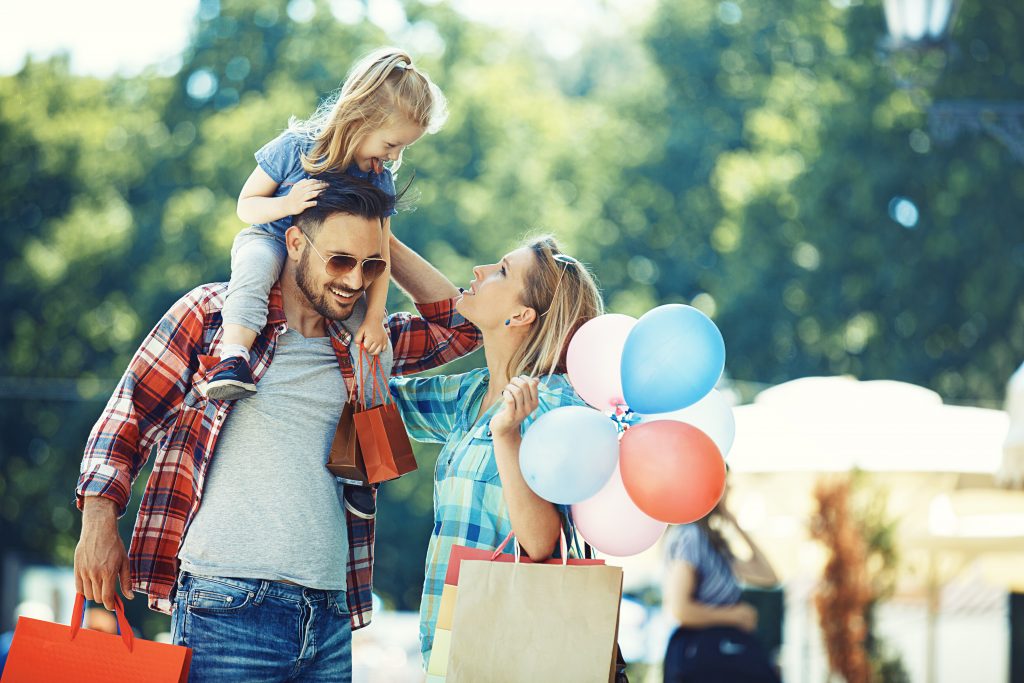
[159,402]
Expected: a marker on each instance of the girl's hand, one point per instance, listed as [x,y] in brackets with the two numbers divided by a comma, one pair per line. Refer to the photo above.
[372,337]
[303,195]
[519,400]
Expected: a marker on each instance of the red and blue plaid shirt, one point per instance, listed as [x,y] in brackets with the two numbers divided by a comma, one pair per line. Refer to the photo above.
[159,402]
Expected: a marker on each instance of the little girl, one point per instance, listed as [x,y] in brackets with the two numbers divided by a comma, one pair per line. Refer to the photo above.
[385,105]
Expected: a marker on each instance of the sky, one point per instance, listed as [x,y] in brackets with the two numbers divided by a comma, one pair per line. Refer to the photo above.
[104,37]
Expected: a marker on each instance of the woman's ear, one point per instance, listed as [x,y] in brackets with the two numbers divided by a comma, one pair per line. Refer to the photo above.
[525,316]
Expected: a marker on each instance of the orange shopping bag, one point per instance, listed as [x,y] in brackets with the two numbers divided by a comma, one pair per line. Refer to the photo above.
[383,441]
[44,652]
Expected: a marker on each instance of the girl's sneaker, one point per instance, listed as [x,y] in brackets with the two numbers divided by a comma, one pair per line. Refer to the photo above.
[230,379]
[359,501]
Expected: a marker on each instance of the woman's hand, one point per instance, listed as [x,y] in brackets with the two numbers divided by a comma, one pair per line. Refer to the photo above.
[519,400]
[745,616]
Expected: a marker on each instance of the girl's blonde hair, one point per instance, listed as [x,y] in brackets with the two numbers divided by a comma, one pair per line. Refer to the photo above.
[564,294]
[381,85]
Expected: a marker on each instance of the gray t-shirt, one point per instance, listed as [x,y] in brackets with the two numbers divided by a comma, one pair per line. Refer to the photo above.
[270,508]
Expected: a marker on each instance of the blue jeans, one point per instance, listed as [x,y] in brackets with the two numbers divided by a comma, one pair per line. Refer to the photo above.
[262,631]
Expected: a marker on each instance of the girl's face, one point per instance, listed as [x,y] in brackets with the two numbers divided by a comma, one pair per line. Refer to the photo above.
[496,292]
[386,144]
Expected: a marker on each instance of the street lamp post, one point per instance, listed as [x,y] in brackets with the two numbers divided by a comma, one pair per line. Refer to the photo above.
[919,25]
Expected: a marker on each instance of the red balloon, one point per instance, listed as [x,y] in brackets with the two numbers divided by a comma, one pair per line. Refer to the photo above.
[673,471]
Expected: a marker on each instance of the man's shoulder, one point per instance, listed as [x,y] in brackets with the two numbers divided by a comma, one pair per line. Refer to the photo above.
[206,299]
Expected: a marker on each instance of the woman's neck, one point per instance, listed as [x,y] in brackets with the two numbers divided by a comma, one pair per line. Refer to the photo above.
[498,351]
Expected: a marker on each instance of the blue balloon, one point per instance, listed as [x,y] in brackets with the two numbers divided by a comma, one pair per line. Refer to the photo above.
[672,358]
[569,453]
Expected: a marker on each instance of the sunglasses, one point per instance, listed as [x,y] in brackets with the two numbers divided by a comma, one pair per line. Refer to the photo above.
[340,265]
[567,261]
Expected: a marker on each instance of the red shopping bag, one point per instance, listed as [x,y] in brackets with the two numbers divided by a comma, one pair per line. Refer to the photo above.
[44,652]
[383,441]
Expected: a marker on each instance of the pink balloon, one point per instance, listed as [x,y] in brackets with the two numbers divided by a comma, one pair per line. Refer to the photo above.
[594,359]
[611,522]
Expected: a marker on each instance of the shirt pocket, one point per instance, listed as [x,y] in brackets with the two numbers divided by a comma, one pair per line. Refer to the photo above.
[479,463]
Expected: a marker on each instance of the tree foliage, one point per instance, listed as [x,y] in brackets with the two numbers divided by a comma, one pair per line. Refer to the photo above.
[747,158]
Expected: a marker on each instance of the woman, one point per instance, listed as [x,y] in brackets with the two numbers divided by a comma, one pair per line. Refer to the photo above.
[526,306]
[714,641]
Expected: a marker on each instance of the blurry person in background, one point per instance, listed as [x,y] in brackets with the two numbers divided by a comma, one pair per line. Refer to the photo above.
[30,609]
[99,619]
[715,639]
[1011,471]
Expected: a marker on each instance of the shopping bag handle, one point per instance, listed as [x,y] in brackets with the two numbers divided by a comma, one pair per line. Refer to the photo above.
[511,535]
[379,389]
[78,618]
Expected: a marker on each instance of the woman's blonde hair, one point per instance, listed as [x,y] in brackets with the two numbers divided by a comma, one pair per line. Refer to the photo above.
[564,294]
[381,85]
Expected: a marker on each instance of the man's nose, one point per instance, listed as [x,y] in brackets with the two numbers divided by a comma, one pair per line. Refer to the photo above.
[353,279]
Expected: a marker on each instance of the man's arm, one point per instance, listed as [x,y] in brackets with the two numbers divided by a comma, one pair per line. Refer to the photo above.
[136,417]
[421,281]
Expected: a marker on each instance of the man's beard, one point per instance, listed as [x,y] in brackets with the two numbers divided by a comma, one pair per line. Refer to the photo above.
[320,301]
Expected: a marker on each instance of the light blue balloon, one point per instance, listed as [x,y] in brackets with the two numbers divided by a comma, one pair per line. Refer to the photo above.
[672,358]
[569,453]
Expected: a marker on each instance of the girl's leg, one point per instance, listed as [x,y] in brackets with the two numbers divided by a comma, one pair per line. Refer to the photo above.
[256,262]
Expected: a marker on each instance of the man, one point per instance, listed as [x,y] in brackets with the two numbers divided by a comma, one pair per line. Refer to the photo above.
[242,532]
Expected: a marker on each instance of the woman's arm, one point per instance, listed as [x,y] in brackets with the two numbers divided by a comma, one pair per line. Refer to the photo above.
[757,570]
[535,521]
[678,602]
[416,276]
[257,203]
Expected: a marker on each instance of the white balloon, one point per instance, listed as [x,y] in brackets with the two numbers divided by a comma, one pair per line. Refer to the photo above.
[712,415]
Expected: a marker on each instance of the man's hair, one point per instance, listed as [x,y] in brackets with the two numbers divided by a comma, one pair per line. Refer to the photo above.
[347,195]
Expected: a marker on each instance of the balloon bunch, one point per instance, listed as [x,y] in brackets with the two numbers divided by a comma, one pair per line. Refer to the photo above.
[652,454]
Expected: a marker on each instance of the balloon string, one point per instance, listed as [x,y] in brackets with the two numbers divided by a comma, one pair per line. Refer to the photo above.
[623,417]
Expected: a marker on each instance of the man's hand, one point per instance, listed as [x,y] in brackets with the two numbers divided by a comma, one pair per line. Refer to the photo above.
[100,557]
[303,195]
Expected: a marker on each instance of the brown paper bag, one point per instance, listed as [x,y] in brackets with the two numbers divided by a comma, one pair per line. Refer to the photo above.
[346,458]
[523,623]
[383,441]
